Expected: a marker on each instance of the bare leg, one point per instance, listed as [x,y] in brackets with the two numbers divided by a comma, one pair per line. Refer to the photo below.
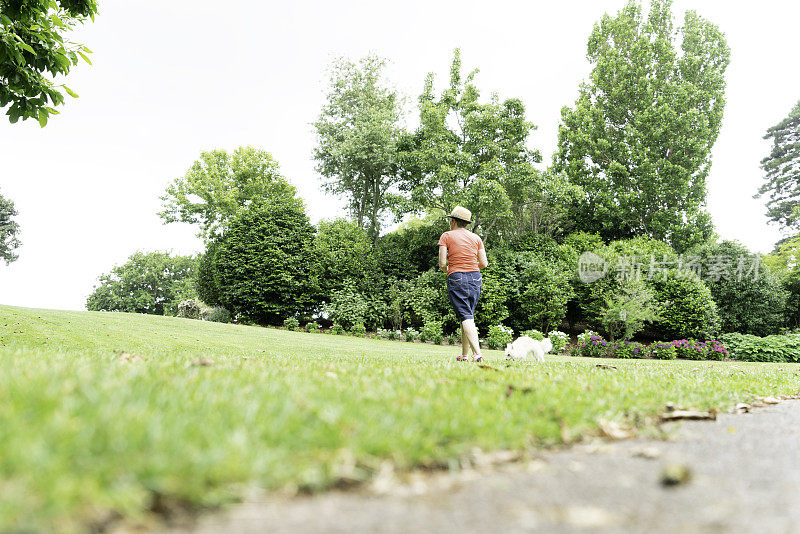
[464,342]
[470,332]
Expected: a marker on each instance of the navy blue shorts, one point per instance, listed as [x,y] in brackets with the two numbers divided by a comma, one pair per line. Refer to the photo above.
[464,290]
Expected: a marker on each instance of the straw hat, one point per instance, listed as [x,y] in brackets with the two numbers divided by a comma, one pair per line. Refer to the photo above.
[461,213]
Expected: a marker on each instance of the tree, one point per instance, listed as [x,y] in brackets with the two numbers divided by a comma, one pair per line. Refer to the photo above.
[357,133]
[468,153]
[264,261]
[219,184]
[639,138]
[626,311]
[32,44]
[8,230]
[153,282]
[782,168]
[343,252]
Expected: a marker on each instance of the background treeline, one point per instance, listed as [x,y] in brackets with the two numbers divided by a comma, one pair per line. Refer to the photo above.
[627,181]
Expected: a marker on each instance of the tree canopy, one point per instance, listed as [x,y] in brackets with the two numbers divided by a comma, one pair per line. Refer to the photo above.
[152,282]
[33,51]
[219,184]
[468,153]
[357,133]
[782,172]
[639,137]
[9,230]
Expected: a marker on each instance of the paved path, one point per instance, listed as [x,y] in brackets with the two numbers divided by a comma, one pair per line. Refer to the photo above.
[745,479]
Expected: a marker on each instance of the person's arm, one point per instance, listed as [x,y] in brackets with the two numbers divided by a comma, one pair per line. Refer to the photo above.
[483,261]
[443,258]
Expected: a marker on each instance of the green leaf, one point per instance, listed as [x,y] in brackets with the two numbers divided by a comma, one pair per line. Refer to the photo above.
[70,92]
[85,57]
[27,48]
[43,116]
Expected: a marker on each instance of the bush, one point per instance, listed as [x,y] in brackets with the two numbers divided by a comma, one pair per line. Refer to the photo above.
[385,334]
[337,329]
[662,351]
[452,339]
[533,334]
[499,336]
[264,261]
[559,341]
[627,349]
[689,350]
[218,314]
[586,336]
[291,324]
[347,307]
[715,350]
[313,327]
[594,346]
[687,307]
[189,309]
[358,330]
[411,334]
[432,331]
[775,348]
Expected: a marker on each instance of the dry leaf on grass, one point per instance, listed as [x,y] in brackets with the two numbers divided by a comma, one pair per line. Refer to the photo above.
[604,366]
[128,357]
[511,389]
[202,362]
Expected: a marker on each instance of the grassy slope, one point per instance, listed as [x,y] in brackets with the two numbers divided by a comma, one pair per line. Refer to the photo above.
[82,433]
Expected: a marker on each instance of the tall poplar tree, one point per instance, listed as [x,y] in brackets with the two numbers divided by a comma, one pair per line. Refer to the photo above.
[639,137]
[782,172]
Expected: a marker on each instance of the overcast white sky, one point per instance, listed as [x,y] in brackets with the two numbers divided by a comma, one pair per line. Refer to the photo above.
[171,79]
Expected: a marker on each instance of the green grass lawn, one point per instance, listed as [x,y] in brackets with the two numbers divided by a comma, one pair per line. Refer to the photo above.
[83,434]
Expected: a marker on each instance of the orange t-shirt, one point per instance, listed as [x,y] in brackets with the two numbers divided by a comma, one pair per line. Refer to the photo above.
[462,250]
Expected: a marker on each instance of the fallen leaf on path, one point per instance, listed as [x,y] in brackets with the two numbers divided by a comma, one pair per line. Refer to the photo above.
[649,453]
[742,407]
[693,415]
[790,397]
[613,430]
[675,474]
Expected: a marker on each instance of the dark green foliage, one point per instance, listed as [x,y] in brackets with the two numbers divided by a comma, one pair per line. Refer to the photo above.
[775,348]
[9,230]
[206,281]
[782,171]
[347,306]
[264,262]
[687,306]
[638,139]
[218,314]
[410,250]
[291,323]
[33,50]
[344,252]
[492,306]
[750,299]
[152,282]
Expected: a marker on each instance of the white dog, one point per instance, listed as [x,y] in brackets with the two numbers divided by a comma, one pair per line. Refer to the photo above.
[524,346]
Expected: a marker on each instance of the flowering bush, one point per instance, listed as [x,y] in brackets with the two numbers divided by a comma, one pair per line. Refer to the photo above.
[627,349]
[411,334]
[594,346]
[584,338]
[358,330]
[384,334]
[337,329]
[499,336]
[559,340]
[715,350]
[312,327]
[534,334]
[662,351]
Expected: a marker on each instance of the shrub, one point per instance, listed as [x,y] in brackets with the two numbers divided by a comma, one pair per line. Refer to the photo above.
[358,330]
[313,327]
[189,309]
[337,329]
[533,334]
[775,348]
[627,310]
[382,333]
[715,350]
[264,261]
[218,314]
[452,339]
[432,331]
[687,307]
[290,323]
[499,336]
[662,351]
[586,336]
[347,307]
[594,346]
[559,340]
[411,334]
[627,349]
